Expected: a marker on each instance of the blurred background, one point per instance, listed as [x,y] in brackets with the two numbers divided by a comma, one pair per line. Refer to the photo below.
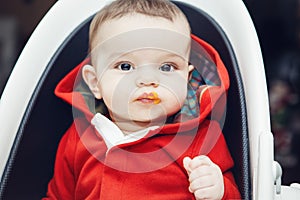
[278,27]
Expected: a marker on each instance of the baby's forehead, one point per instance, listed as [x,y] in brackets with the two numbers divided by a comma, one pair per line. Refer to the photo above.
[146,38]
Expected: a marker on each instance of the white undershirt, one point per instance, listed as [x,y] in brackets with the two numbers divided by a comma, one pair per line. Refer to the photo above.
[113,135]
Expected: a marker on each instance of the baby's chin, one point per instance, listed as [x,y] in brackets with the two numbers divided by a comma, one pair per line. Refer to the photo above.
[151,120]
[156,116]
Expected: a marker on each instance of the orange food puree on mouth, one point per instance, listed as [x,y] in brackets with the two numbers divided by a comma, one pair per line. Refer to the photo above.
[154,97]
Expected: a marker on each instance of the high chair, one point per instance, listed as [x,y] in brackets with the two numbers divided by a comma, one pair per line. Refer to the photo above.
[32,119]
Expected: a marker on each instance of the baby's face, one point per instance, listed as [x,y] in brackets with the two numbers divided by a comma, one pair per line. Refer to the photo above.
[142,67]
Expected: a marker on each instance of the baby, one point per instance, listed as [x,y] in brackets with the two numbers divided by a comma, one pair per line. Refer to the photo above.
[147,136]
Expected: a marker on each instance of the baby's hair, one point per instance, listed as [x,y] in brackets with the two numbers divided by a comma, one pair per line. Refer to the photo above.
[120,8]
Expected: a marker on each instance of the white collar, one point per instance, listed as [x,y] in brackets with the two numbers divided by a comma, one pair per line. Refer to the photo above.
[113,135]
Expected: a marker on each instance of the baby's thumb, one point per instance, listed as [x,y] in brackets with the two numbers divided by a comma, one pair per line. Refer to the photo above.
[186,162]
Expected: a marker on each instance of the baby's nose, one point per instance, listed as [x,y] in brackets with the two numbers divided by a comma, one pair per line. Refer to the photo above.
[147,76]
[147,82]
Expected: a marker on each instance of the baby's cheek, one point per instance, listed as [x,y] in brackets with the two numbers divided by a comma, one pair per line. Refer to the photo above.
[177,87]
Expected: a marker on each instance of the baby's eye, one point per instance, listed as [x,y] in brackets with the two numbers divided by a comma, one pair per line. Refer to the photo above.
[167,68]
[125,67]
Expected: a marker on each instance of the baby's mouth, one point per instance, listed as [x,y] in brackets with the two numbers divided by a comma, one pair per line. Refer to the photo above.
[151,97]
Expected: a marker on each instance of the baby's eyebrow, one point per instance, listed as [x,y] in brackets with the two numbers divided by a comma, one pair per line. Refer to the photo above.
[115,55]
[174,56]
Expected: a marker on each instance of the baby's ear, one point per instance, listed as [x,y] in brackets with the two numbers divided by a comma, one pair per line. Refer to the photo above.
[90,77]
[191,68]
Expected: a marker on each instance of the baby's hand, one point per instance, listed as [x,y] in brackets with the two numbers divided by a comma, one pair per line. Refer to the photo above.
[206,179]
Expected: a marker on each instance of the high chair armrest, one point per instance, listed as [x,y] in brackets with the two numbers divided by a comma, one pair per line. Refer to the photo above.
[291,192]
[269,172]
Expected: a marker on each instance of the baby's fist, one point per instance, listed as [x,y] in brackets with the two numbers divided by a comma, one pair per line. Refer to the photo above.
[205,177]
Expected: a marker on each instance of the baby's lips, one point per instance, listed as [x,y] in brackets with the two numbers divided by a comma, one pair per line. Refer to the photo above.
[154,96]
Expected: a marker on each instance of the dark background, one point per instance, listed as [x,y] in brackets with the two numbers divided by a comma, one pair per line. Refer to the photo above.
[278,27]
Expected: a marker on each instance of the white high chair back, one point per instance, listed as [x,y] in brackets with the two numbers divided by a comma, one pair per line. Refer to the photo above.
[32,119]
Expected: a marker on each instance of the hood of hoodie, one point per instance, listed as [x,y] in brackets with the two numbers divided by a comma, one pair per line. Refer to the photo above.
[206,96]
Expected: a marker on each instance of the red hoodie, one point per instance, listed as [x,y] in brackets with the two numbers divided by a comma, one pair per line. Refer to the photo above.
[150,167]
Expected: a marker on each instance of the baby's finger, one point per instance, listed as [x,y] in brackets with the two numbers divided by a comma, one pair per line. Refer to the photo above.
[199,161]
[203,170]
[205,193]
[186,163]
[200,183]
